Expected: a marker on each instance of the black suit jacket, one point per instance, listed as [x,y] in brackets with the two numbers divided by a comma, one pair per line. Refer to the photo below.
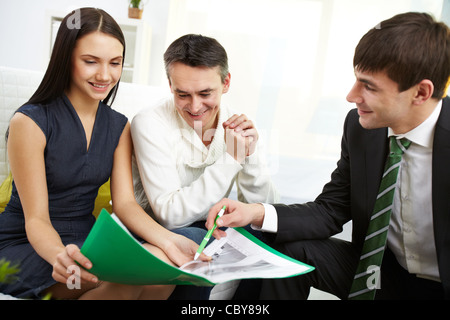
[351,193]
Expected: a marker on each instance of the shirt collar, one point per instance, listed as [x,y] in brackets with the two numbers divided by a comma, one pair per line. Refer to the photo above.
[207,155]
[423,134]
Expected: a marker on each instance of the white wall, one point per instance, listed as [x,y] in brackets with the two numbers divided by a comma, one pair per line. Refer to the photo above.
[23,27]
[291,64]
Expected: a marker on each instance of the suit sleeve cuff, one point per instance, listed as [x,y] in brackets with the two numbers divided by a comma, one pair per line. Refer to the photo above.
[270,223]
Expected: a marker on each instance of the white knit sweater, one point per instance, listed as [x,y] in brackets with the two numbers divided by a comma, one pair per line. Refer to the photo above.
[177,178]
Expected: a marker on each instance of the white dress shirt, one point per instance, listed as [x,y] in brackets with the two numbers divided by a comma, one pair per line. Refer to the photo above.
[177,179]
[411,234]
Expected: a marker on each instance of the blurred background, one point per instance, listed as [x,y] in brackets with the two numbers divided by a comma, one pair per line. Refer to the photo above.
[290,62]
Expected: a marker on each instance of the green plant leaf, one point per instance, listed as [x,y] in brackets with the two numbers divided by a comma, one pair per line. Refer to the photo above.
[135,3]
[7,271]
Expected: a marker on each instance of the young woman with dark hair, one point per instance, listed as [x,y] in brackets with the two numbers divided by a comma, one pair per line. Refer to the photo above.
[63,144]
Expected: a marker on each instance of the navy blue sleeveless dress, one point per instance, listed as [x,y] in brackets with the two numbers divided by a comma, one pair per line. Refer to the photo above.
[74,175]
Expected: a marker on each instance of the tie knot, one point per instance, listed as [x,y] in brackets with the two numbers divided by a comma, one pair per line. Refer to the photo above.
[399,146]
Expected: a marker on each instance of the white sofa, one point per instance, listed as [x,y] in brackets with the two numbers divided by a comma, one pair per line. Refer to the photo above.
[17,86]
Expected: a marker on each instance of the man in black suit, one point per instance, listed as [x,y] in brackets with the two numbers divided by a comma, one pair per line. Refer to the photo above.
[402,67]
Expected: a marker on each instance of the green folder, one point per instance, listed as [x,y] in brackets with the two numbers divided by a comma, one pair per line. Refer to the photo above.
[118,257]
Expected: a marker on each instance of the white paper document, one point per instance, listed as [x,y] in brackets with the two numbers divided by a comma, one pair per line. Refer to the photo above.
[237,257]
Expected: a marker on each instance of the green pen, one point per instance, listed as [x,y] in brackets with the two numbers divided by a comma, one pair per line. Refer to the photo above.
[208,235]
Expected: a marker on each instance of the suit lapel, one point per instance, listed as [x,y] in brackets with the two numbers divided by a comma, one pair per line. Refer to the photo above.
[376,150]
[441,193]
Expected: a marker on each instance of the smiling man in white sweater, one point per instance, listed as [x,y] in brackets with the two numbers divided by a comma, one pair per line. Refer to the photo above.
[189,149]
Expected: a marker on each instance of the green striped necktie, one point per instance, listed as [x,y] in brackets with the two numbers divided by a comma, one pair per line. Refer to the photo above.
[367,274]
